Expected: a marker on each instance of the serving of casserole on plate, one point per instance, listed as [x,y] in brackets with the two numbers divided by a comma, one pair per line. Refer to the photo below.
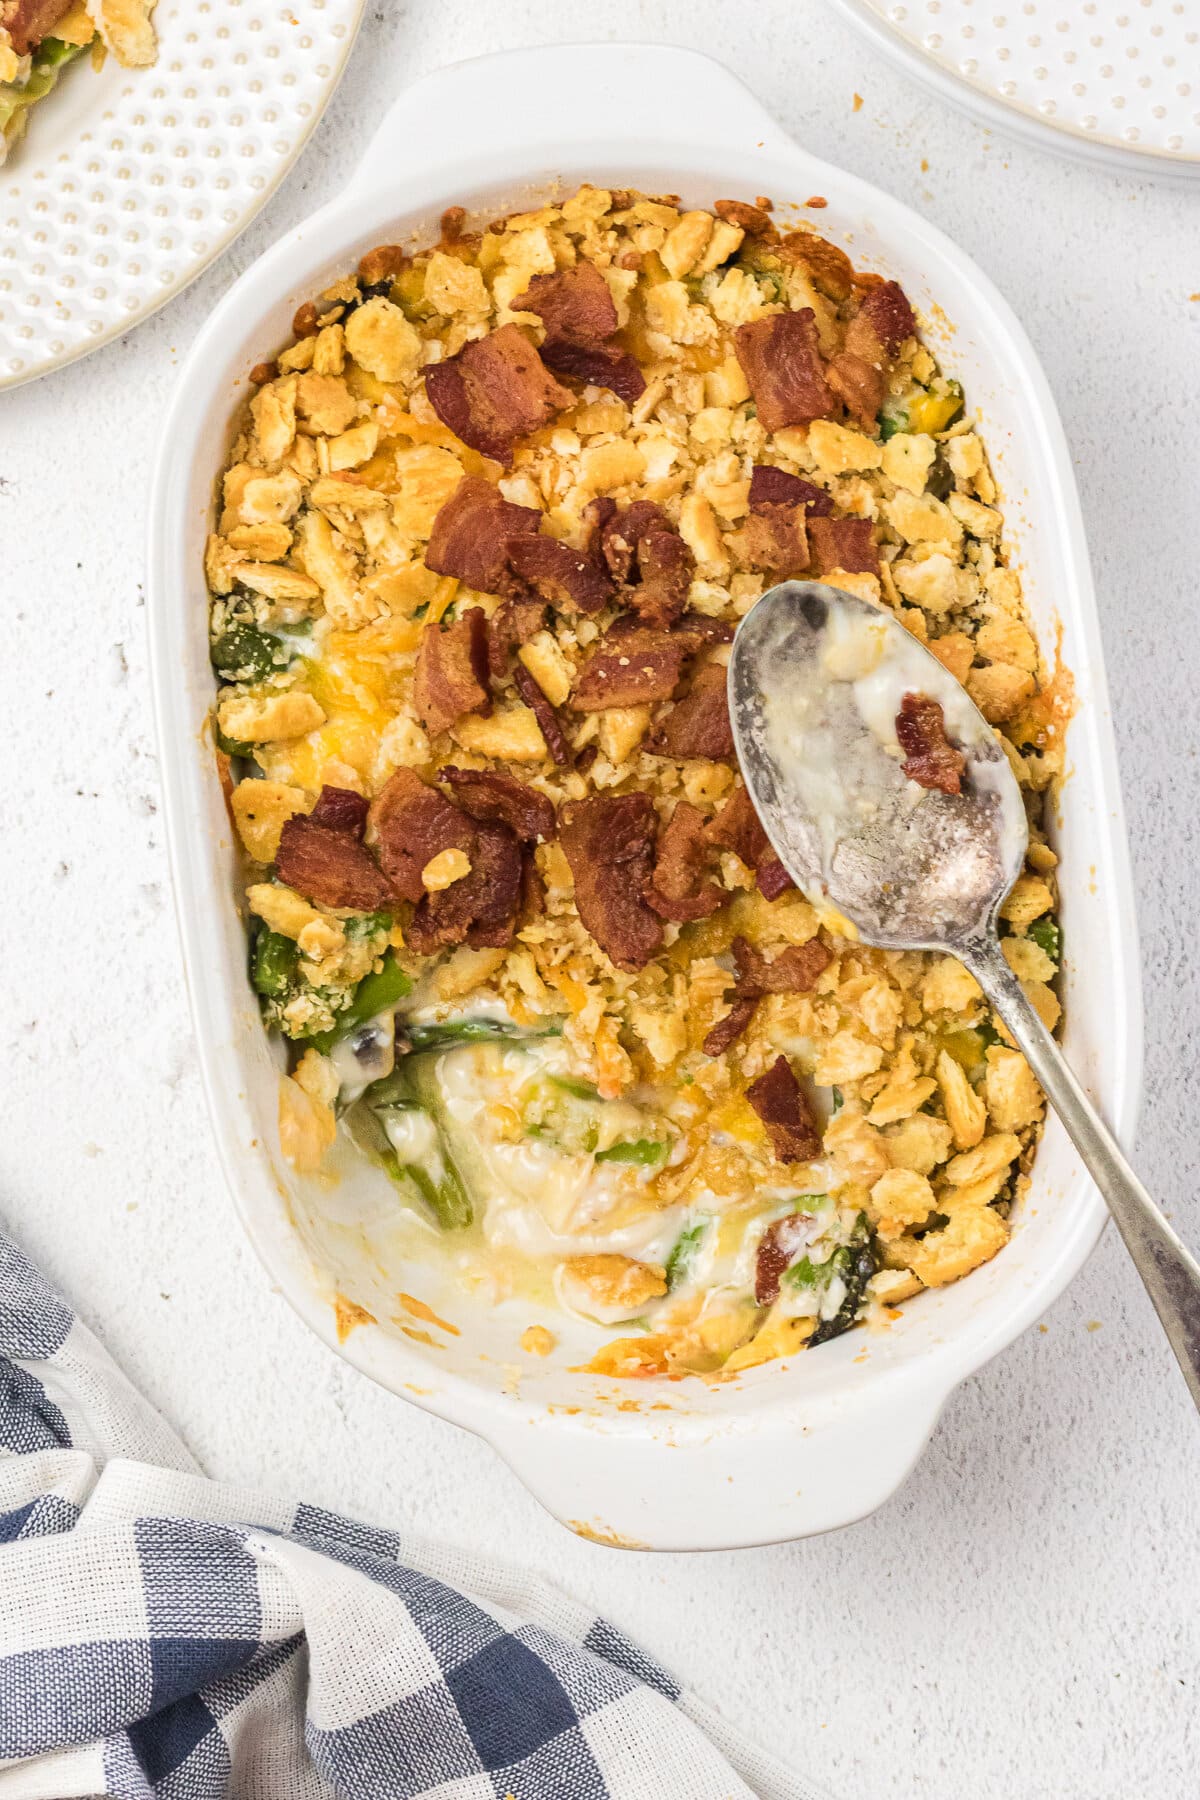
[40,38]
[484,533]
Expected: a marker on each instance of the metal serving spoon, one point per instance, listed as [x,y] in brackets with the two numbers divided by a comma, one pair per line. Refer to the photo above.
[816,680]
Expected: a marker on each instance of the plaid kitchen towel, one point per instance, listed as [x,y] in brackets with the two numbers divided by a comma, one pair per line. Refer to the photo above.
[164,1636]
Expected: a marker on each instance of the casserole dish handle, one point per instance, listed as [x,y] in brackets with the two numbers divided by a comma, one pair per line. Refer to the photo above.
[539,107]
[726,1483]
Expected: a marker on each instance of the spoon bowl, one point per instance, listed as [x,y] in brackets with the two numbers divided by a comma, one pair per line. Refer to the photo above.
[888,796]
[816,679]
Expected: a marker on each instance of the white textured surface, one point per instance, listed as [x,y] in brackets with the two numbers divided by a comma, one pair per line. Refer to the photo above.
[1120,72]
[128,181]
[1020,1623]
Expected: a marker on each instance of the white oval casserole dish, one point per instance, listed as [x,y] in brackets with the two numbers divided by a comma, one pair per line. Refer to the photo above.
[790,1448]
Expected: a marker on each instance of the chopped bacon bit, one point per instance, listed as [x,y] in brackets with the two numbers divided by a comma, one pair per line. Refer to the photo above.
[472,535]
[383,263]
[784,1109]
[793,971]
[330,868]
[481,909]
[414,823]
[263,372]
[28,22]
[305,321]
[545,713]
[773,879]
[563,576]
[698,725]
[496,798]
[608,840]
[881,324]
[452,222]
[830,268]
[781,360]
[847,544]
[603,365]
[775,540]
[510,626]
[729,1029]
[533,891]
[737,827]
[642,550]
[665,565]
[779,1246]
[631,669]
[930,758]
[579,314]
[752,219]
[858,385]
[574,304]
[340,809]
[697,629]
[770,486]
[451,675]
[678,889]
[494,391]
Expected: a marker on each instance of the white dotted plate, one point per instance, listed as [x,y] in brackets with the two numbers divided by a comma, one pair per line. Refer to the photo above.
[128,182]
[1117,81]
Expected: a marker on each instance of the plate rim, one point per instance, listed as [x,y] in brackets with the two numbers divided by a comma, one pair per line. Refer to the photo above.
[122,327]
[1013,117]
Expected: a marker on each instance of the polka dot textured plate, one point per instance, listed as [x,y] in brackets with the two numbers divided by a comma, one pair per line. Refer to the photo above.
[129,181]
[1115,81]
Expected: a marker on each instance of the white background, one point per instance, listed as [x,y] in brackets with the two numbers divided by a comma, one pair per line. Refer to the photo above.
[1021,1621]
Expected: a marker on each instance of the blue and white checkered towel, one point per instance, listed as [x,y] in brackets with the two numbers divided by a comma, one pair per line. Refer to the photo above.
[161,1635]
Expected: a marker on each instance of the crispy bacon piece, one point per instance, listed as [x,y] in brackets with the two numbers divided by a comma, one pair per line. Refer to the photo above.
[830,268]
[330,868]
[451,675]
[414,823]
[574,304]
[472,534]
[770,486]
[481,909]
[494,391]
[737,827]
[340,809]
[847,544]
[565,577]
[793,971]
[27,22]
[930,758]
[881,324]
[697,629]
[577,309]
[784,1109]
[752,219]
[665,568]
[728,1029]
[776,541]
[781,360]
[858,385]
[608,840]
[630,669]
[545,713]
[510,626]
[495,798]
[643,551]
[778,1248]
[602,365]
[678,889]
[698,725]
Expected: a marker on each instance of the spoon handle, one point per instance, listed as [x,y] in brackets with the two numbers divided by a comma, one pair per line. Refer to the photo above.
[1167,1267]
